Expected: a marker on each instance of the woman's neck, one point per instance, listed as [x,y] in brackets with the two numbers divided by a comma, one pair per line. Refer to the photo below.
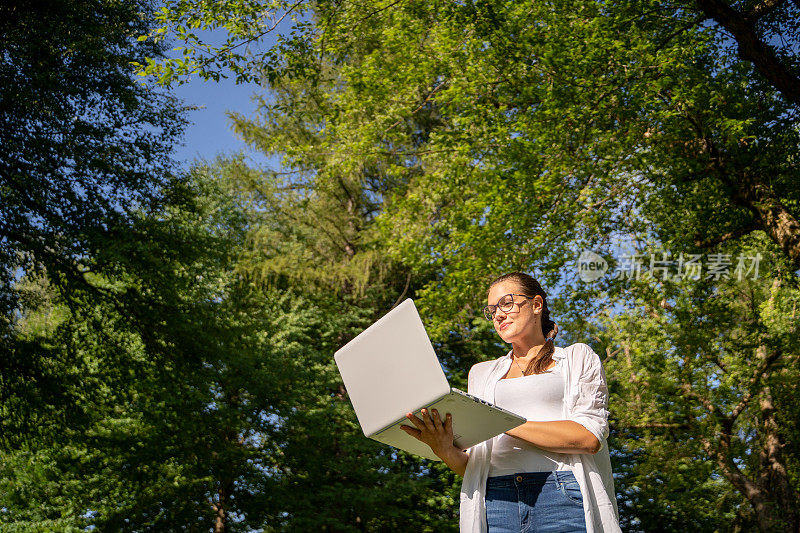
[527,350]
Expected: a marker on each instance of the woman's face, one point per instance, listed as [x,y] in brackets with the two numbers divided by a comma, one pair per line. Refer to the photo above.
[522,320]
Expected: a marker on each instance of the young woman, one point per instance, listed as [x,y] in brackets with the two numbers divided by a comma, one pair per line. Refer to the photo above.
[552,473]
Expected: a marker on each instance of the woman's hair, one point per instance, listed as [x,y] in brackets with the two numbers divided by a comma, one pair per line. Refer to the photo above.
[530,287]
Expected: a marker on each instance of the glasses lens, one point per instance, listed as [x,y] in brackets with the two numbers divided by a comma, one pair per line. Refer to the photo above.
[487,312]
[506,303]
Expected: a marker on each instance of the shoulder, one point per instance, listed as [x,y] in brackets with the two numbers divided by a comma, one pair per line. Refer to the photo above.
[581,350]
[482,367]
[582,356]
[479,373]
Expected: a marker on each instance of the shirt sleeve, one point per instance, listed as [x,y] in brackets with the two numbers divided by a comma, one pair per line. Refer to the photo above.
[589,392]
[471,387]
[471,380]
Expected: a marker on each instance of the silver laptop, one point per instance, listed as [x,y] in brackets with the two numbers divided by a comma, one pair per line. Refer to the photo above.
[391,369]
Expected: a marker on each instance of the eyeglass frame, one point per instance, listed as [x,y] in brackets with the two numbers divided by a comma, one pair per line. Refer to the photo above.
[488,314]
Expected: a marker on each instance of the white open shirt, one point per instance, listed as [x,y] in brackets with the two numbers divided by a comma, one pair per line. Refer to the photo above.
[586,402]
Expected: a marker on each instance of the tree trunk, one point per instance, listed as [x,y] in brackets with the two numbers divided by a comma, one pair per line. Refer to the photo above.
[754,494]
[770,213]
[773,477]
[221,507]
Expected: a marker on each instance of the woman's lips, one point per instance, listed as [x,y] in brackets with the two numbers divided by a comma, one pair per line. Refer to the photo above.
[504,325]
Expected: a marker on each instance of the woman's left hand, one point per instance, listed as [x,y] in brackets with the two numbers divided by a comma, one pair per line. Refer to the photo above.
[432,431]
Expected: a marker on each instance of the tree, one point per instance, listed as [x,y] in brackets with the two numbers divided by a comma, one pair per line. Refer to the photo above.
[653,46]
[555,128]
[83,144]
[102,305]
[313,243]
[106,418]
[696,363]
[83,147]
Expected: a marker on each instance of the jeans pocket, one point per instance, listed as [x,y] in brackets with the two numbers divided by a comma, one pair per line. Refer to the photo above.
[572,491]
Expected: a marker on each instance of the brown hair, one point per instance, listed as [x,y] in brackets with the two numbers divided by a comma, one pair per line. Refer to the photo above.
[530,287]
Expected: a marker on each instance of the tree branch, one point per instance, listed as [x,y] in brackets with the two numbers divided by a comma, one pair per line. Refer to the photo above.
[677,32]
[770,212]
[405,289]
[735,234]
[752,191]
[375,12]
[741,482]
[427,98]
[710,407]
[762,9]
[752,48]
[263,33]
[752,384]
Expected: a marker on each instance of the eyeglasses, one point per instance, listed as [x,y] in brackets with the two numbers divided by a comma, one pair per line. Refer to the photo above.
[505,304]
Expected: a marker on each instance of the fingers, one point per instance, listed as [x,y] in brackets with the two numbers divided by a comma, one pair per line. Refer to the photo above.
[431,430]
[411,431]
[447,424]
[431,421]
[416,421]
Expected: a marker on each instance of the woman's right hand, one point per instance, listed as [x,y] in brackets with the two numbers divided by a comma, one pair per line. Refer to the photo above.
[439,436]
[432,431]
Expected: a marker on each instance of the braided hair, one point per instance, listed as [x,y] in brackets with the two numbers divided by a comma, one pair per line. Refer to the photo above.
[530,287]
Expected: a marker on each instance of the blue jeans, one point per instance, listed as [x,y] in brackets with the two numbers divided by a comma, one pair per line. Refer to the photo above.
[534,502]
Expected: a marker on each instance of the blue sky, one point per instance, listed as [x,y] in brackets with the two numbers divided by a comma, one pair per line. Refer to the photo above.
[210,133]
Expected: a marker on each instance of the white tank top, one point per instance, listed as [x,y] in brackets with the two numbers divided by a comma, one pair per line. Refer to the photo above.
[538,397]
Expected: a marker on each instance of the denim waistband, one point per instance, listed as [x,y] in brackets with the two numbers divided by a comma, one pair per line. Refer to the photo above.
[531,478]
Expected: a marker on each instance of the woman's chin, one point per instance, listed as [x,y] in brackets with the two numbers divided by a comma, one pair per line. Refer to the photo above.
[506,335]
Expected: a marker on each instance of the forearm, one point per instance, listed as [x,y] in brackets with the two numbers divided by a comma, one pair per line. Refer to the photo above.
[456,459]
[560,436]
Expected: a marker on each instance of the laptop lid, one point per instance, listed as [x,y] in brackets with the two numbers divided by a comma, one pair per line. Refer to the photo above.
[391,369]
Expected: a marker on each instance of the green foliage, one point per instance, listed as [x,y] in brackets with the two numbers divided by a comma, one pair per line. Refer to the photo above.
[83,145]
[101,407]
[497,136]
[513,136]
[247,25]
[309,255]
[687,363]
[177,373]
